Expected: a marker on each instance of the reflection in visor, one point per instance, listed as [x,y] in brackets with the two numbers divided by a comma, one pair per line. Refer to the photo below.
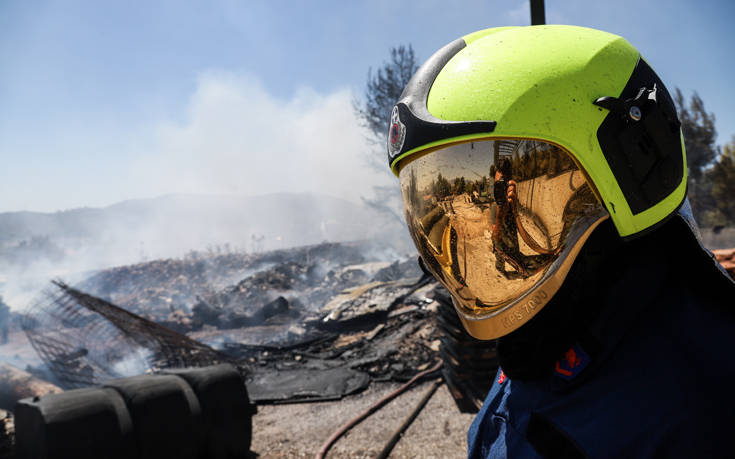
[490,218]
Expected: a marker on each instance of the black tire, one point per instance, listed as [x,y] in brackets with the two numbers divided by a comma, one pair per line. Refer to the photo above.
[166,416]
[91,423]
[226,409]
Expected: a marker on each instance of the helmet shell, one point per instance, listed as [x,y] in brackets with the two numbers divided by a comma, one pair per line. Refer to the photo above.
[541,82]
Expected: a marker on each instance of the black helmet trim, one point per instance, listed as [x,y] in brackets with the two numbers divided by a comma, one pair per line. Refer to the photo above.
[641,141]
[411,124]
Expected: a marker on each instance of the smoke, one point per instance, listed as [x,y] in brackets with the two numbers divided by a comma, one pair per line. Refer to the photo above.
[237,138]
[241,169]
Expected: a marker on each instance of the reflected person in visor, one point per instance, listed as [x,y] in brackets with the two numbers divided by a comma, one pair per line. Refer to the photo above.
[543,176]
[506,228]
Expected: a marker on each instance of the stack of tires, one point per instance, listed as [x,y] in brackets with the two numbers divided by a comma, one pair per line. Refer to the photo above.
[190,413]
[470,365]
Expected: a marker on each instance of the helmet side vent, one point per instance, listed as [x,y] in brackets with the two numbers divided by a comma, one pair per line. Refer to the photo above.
[640,139]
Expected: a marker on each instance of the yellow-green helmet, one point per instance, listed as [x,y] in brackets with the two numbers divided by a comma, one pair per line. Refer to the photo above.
[554,104]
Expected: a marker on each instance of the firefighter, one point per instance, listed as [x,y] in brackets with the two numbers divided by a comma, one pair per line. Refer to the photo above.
[615,343]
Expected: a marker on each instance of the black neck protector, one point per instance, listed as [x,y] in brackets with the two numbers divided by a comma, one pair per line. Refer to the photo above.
[531,351]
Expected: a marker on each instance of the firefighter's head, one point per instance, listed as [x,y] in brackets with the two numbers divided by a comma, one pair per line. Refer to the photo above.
[580,123]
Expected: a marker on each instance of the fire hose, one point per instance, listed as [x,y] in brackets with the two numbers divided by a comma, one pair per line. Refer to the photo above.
[379,404]
[402,428]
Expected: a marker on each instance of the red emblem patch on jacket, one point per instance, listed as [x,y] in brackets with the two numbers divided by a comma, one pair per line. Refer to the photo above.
[574,361]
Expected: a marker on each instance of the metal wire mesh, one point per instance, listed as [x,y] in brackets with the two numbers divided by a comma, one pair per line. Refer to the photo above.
[85,340]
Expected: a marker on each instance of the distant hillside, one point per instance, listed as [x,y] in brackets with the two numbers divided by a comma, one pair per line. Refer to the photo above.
[173,224]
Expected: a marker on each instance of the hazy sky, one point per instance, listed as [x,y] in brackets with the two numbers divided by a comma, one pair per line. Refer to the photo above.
[106,101]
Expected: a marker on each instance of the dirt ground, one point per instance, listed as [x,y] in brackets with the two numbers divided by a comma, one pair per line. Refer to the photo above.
[298,430]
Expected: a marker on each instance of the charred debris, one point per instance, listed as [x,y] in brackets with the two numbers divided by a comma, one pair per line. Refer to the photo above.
[304,324]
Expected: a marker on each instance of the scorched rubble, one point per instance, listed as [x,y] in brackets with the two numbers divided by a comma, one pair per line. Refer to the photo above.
[316,322]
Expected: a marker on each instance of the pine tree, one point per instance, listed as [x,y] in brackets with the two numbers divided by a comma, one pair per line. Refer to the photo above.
[721,179]
[698,127]
[384,88]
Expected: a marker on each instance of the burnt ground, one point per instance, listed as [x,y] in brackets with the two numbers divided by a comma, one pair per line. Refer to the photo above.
[319,332]
[298,430]
[225,290]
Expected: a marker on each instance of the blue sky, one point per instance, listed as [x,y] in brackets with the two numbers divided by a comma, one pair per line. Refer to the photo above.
[106,101]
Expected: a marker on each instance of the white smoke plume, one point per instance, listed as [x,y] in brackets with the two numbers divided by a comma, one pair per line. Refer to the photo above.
[236,138]
[306,155]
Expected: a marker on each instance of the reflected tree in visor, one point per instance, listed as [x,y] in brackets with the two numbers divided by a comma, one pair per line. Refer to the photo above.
[494,219]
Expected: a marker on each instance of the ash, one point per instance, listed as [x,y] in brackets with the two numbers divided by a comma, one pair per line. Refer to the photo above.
[310,323]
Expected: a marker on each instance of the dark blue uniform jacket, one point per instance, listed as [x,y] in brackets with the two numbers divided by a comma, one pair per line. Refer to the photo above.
[653,377]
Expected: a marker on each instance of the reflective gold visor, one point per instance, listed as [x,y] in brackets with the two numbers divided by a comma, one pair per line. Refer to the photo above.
[499,223]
